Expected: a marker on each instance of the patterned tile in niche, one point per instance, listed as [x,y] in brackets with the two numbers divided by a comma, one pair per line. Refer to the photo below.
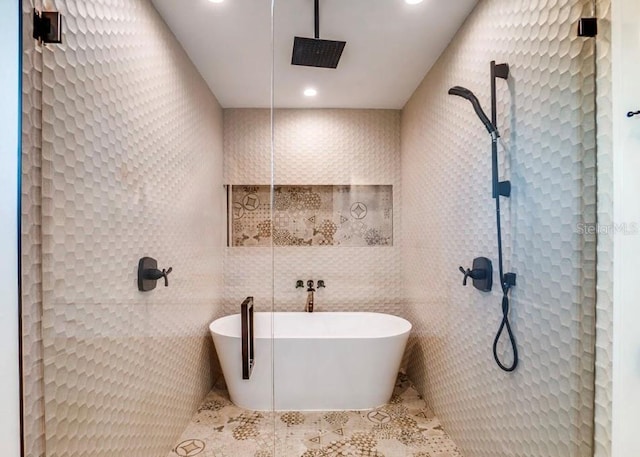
[251,202]
[312,215]
[358,210]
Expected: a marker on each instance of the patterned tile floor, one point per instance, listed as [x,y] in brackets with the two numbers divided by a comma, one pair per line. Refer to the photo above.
[405,427]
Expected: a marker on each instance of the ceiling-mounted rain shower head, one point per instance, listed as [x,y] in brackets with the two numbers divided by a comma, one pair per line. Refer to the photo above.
[314,52]
[311,52]
[467,94]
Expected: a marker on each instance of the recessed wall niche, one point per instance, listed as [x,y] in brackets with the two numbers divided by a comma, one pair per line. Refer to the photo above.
[318,215]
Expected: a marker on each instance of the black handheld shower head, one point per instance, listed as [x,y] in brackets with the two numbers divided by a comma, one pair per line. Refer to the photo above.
[467,94]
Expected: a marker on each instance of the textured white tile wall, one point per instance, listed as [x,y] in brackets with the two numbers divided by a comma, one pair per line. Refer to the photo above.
[323,146]
[547,120]
[604,310]
[491,414]
[131,166]
[33,370]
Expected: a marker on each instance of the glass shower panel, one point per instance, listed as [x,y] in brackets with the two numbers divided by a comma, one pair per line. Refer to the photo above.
[382,191]
[133,167]
[339,324]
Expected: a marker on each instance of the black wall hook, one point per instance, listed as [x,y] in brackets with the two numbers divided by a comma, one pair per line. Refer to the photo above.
[633,113]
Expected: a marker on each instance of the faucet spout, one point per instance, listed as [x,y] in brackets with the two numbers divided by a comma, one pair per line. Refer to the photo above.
[309,306]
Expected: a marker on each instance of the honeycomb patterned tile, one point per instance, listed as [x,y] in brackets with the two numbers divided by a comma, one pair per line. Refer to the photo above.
[33,376]
[315,147]
[604,310]
[546,118]
[131,166]
[120,113]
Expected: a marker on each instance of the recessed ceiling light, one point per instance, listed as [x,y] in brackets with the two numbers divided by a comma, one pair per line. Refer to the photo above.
[216,1]
[413,2]
[310,92]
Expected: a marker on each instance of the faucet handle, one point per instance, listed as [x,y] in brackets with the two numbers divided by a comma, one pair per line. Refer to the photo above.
[310,284]
[299,283]
[165,273]
[466,274]
[321,284]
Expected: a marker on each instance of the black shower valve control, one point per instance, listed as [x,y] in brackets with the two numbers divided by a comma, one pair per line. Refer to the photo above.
[149,274]
[481,273]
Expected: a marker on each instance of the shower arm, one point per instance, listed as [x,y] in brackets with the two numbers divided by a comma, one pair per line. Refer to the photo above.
[316,10]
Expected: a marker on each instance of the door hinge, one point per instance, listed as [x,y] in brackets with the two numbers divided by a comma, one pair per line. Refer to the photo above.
[47,26]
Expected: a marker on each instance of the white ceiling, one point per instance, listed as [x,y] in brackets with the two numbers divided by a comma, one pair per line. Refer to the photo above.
[390,47]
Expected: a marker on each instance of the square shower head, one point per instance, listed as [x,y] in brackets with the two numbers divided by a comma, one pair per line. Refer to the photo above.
[311,52]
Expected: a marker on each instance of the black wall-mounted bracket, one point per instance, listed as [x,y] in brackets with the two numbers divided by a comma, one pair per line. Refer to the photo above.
[588,27]
[633,113]
[509,280]
[47,26]
[504,188]
[148,274]
[501,70]
[481,273]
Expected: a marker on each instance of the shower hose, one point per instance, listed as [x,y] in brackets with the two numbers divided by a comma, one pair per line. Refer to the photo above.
[505,324]
[505,283]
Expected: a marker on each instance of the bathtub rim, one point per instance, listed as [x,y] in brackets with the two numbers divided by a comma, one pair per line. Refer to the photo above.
[235,332]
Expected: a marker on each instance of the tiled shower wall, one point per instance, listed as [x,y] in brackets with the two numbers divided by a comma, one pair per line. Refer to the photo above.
[315,147]
[130,165]
[33,369]
[604,309]
[544,408]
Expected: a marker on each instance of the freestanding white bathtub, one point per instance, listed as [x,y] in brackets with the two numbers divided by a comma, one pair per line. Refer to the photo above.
[322,361]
